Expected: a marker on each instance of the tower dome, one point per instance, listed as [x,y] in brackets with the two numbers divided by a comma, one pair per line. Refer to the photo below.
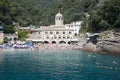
[59,15]
[59,19]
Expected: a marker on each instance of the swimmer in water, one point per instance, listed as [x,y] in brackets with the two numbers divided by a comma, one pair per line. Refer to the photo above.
[114,62]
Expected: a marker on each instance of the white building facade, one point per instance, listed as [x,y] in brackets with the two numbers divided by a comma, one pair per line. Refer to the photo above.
[57,33]
[75,26]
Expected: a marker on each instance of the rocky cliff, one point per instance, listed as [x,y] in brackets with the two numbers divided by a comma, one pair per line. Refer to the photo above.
[110,45]
[108,42]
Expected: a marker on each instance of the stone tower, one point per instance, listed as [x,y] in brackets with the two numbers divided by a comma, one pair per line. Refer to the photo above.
[59,19]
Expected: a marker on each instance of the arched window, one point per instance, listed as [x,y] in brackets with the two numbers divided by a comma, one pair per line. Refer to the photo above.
[59,37]
[63,37]
[62,42]
[57,32]
[68,37]
[46,32]
[15,38]
[70,32]
[59,18]
[51,32]
[55,37]
[63,32]
[46,42]
[53,42]
[47,37]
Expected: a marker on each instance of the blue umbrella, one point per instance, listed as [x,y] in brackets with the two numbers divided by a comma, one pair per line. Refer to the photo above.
[29,43]
[1,28]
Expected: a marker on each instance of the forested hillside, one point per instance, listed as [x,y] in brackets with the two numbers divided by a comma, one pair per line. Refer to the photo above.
[42,12]
[103,15]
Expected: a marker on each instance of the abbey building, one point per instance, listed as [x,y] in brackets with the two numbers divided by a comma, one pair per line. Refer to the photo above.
[57,33]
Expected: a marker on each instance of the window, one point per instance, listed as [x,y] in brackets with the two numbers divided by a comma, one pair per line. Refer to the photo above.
[59,18]
[46,32]
[47,37]
[63,37]
[59,37]
[68,37]
[70,32]
[57,32]
[63,32]
[55,37]
[50,32]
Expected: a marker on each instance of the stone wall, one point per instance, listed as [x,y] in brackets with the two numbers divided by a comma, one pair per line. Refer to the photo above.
[1,36]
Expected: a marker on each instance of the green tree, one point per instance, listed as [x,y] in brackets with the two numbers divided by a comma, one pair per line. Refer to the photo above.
[9,29]
[111,11]
[22,34]
[117,23]
[104,25]
[94,22]
[6,40]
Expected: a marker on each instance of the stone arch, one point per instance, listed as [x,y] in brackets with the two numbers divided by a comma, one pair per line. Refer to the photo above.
[62,42]
[54,42]
[72,42]
[10,39]
[69,42]
[46,42]
[15,38]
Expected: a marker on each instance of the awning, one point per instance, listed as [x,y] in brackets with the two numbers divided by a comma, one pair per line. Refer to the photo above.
[34,40]
[73,40]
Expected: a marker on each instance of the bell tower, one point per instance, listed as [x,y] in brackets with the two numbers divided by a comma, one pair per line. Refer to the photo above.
[59,19]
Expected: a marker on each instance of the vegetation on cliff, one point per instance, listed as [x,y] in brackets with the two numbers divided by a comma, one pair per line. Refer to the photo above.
[104,14]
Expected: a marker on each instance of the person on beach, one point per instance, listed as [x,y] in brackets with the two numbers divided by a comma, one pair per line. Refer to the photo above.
[0,49]
[37,47]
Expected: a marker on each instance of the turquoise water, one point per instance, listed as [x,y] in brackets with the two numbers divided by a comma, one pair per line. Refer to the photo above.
[59,65]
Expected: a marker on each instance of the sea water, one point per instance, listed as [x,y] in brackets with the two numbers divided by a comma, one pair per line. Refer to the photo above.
[59,65]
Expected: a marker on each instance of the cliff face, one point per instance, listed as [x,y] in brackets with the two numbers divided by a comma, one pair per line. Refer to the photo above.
[108,42]
[110,45]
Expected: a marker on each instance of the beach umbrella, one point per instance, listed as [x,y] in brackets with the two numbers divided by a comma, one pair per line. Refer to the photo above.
[1,28]
[29,43]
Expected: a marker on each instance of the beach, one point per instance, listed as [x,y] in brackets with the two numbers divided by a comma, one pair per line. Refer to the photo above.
[43,47]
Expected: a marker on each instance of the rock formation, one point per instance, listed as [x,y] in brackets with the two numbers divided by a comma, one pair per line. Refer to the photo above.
[110,45]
